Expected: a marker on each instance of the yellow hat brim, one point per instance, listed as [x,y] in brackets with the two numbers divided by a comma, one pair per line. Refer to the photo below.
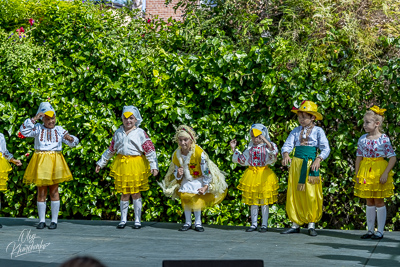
[256,132]
[49,113]
[128,114]
[318,116]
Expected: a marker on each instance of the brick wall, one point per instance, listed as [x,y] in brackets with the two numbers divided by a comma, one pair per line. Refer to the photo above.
[157,7]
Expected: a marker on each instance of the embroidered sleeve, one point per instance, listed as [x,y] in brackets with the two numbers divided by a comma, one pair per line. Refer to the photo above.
[289,143]
[359,148]
[61,133]
[271,155]
[29,129]
[6,154]
[323,145]
[149,150]
[205,170]
[389,152]
[107,155]
[240,158]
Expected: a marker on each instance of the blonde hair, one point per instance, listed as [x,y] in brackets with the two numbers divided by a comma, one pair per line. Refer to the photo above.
[377,118]
[184,130]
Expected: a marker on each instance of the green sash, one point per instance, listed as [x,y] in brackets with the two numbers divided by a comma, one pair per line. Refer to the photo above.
[306,153]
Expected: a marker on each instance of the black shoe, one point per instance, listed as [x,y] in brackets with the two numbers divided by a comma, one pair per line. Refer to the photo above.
[185,227]
[121,225]
[41,225]
[312,232]
[251,229]
[263,229]
[199,228]
[377,236]
[367,235]
[53,226]
[291,231]
[137,226]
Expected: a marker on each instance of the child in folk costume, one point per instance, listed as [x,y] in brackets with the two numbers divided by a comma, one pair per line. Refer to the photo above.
[5,168]
[374,175]
[193,178]
[304,194]
[136,161]
[47,167]
[259,183]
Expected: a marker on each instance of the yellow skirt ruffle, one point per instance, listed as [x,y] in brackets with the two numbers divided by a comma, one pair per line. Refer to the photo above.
[303,206]
[131,174]
[368,175]
[5,168]
[47,168]
[199,202]
[259,186]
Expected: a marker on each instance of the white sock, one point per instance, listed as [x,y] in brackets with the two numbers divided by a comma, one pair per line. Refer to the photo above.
[371,215]
[124,206]
[381,212]
[265,214]
[197,217]
[42,211]
[311,226]
[188,217]
[295,225]
[137,205]
[254,215]
[55,208]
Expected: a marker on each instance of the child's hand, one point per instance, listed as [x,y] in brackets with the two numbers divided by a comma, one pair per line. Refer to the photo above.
[68,138]
[16,162]
[38,116]
[316,164]
[97,168]
[233,144]
[203,190]
[383,178]
[286,159]
[154,172]
[180,172]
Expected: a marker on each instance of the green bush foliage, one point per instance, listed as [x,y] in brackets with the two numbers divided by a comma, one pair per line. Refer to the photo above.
[220,70]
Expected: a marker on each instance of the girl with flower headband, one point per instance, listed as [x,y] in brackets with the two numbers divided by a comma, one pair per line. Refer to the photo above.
[374,175]
[304,194]
[193,178]
[136,161]
[5,167]
[259,184]
[47,167]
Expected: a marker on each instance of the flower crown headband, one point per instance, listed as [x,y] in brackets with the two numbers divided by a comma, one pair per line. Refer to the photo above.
[377,110]
[191,136]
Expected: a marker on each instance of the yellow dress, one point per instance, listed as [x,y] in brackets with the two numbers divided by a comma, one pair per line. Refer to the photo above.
[5,168]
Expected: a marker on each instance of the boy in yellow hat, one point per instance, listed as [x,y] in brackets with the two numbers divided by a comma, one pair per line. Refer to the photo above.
[136,161]
[193,178]
[259,184]
[374,175]
[47,167]
[304,194]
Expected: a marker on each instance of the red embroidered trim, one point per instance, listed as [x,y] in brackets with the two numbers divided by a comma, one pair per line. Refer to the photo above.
[111,147]
[56,134]
[41,135]
[145,135]
[148,147]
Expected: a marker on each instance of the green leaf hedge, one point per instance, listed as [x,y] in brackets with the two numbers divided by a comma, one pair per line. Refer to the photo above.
[215,74]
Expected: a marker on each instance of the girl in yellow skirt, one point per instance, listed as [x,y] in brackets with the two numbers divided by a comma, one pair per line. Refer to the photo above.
[304,195]
[374,175]
[5,168]
[193,178]
[136,161]
[47,167]
[259,184]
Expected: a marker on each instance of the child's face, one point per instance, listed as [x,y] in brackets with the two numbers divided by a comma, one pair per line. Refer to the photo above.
[256,140]
[370,124]
[129,122]
[304,118]
[49,122]
[184,142]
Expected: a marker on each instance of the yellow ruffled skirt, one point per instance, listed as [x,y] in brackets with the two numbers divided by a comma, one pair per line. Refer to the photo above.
[131,174]
[303,206]
[200,202]
[369,174]
[47,168]
[5,168]
[259,186]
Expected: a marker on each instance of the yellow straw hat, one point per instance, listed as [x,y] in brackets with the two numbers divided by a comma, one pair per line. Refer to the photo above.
[310,108]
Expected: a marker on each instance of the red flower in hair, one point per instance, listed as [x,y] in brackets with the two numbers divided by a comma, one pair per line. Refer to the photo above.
[20,135]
